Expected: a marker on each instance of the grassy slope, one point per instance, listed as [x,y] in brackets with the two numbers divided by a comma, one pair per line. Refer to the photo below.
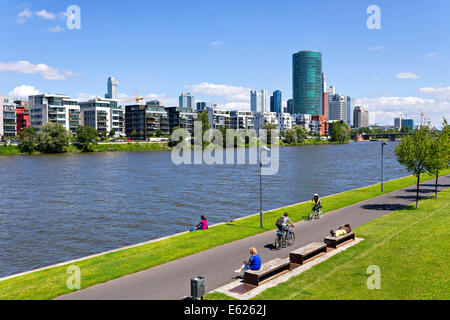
[14,150]
[50,283]
[410,246]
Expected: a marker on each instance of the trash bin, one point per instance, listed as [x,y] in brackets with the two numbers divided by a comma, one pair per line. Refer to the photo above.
[197,288]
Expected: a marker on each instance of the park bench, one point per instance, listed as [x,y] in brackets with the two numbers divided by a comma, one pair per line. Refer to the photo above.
[336,242]
[307,253]
[268,271]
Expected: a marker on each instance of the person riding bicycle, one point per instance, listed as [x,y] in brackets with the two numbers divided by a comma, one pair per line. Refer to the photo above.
[283,224]
[317,203]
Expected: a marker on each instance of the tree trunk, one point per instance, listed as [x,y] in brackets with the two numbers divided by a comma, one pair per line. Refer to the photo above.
[417,194]
[436,186]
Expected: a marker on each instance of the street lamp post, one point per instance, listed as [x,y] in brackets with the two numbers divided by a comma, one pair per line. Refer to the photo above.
[384,143]
[260,184]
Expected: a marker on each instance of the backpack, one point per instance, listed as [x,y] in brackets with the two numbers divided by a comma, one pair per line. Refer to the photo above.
[280,221]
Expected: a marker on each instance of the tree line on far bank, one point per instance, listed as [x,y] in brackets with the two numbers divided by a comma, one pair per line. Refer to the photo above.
[54,138]
[425,151]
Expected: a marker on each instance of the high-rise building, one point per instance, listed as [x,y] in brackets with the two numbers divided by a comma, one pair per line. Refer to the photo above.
[112,88]
[56,108]
[205,105]
[331,90]
[275,102]
[259,101]
[361,118]
[350,107]
[408,123]
[187,100]
[290,106]
[337,109]
[307,82]
[324,97]
[398,123]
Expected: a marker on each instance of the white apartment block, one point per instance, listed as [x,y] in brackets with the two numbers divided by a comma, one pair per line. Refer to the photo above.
[286,121]
[103,115]
[219,118]
[242,120]
[56,108]
[304,120]
[8,121]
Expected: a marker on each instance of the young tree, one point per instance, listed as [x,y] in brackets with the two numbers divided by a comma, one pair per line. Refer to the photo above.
[86,138]
[133,134]
[301,134]
[112,133]
[413,153]
[52,138]
[27,140]
[290,136]
[339,132]
[269,127]
[439,157]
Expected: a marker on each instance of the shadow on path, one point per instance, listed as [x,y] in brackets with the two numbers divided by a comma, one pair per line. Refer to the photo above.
[386,207]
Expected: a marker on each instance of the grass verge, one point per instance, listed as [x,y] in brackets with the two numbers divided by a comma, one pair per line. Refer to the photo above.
[409,246]
[50,283]
[123,147]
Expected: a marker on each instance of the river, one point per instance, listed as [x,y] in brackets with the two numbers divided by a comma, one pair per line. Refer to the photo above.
[55,208]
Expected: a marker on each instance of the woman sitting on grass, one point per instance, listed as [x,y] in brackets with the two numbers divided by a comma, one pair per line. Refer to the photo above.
[203,225]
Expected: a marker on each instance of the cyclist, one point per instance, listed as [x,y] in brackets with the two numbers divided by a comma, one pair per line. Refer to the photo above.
[283,224]
[317,203]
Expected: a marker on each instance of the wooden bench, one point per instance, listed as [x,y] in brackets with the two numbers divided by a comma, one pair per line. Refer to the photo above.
[268,271]
[336,242]
[307,253]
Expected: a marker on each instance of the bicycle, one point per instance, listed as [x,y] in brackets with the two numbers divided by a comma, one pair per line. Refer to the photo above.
[314,214]
[281,241]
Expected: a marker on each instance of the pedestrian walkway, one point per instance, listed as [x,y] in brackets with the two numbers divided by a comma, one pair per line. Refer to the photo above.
[172,280]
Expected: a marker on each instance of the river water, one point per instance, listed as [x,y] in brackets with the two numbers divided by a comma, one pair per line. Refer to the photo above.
[55,208]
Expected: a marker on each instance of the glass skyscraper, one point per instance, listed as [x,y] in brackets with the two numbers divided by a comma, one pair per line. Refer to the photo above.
[307,82]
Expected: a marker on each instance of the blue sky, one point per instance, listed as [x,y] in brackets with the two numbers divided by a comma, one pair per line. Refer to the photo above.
[220,49]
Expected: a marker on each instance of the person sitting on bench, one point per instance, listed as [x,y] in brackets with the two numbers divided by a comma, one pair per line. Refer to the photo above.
[254,263]
[342,230]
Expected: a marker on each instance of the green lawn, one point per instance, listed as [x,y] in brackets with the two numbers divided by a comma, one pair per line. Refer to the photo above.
[50,283]
[108,147]
[410,247]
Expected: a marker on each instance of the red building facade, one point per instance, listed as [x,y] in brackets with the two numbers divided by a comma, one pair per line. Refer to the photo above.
[23,118]
[322,124]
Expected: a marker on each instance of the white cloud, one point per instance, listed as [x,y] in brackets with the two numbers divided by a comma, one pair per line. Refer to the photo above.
[376,48]
[56,29]
[23,92]
[383,110]
[407,75]
[26,67]
[431,55]
[216,43]
[231,93]
[439,92]
[44,14]
[24,15]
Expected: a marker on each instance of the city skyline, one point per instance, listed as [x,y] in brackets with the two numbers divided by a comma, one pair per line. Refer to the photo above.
[391,72]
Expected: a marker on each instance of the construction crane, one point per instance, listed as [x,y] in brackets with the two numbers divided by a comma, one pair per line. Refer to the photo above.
[137,99]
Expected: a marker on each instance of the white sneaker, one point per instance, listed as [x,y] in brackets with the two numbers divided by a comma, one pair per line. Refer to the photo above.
[238,270]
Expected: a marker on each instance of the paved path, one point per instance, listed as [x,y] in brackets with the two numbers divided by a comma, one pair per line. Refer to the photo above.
[172,280]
